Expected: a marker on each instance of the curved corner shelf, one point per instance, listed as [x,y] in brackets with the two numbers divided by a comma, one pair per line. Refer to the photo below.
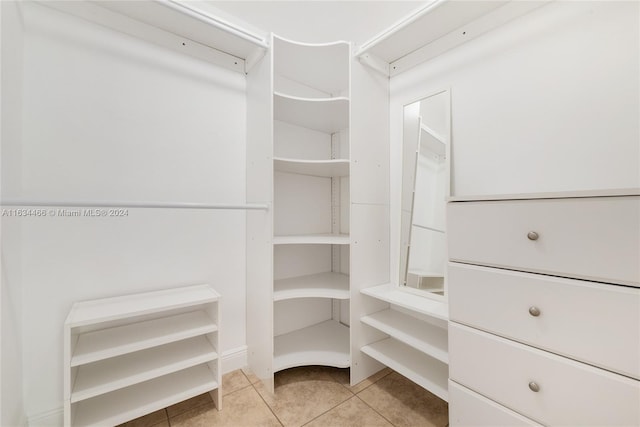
[393,295]
[328,115]
[325,344]
[312,239]
[321,66]
[425,337]
[322,285]
[427,372]
[324,168]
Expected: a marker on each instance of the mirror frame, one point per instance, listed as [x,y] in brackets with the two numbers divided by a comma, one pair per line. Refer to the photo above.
[405,248]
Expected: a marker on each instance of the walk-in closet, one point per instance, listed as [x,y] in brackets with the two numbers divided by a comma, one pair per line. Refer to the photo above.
[322,213]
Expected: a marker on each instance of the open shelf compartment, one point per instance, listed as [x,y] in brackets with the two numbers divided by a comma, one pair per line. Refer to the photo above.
[328,115]
[324,67]
[324,168]
[111,342]
[322,285]
[425,337]
[131,402]
[119,372]
[325,344]
[410,301]
[427,372]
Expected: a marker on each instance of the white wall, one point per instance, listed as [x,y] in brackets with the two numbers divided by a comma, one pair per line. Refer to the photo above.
[548,102]
[11,402]
[109,117]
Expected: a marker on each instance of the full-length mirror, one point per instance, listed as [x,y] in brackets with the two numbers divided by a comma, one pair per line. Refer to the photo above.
[425,187]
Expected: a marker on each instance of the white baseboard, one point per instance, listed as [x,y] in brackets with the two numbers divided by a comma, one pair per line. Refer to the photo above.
[233,359]
[54,417]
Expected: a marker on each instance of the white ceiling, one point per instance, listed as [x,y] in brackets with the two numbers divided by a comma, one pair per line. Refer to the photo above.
[317,21]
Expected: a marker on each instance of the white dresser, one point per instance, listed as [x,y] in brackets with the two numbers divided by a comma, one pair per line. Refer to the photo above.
[544,300]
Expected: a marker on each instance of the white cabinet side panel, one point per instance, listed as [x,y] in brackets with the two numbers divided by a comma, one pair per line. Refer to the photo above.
[259,295]
[369,267]
[260,131]
[260,223]
[369,136]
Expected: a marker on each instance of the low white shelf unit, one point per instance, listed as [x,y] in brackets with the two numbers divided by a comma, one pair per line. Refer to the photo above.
[416,345]
[131,355]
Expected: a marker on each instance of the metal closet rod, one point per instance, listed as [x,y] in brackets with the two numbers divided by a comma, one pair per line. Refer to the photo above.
[116,204]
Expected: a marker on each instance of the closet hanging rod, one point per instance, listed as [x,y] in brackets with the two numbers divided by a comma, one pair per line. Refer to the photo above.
[216,22]
[116,204]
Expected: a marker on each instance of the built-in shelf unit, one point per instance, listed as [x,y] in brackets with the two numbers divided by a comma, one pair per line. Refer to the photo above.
[299,163]
[311,188]
[130,355]
[416,343]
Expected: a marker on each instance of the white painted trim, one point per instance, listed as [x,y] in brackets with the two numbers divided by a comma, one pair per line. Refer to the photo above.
[235,358]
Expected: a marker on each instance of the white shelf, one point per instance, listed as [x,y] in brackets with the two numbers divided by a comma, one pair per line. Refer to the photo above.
[127,306]
[322,66]
[437,27]
[187,28]
[327,115]
[422,336]
[325,168]
[111,342]
[119,372]
[323,285]
[312,239]
[131,355]
[125,404]
[325,344]
[425,371]
[393,295]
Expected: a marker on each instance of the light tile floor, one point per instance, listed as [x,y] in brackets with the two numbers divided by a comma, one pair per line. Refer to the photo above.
[312,396]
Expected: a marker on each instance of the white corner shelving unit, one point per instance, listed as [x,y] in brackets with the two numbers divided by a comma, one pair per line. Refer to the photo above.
[416,342]
[318,156]
[131,355]
[311,203]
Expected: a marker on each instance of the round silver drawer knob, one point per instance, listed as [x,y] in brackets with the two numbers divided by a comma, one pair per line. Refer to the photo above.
[532,235]
[534,387]
[534,311]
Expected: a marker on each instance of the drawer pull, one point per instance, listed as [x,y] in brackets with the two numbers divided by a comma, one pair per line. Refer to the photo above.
[532,235]
[534,311]
[534,387]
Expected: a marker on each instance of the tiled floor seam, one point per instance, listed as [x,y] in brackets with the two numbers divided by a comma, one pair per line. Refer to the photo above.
[360,391]
[268,406]
[374,409]
[329,410]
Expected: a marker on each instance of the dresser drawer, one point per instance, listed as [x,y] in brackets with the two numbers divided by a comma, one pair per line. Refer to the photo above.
[467,408]
[570,393]
[595,323]
[594,238]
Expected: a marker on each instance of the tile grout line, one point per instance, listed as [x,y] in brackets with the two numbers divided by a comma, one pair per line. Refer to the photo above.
[374,409]
[328,410]
[265,402]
